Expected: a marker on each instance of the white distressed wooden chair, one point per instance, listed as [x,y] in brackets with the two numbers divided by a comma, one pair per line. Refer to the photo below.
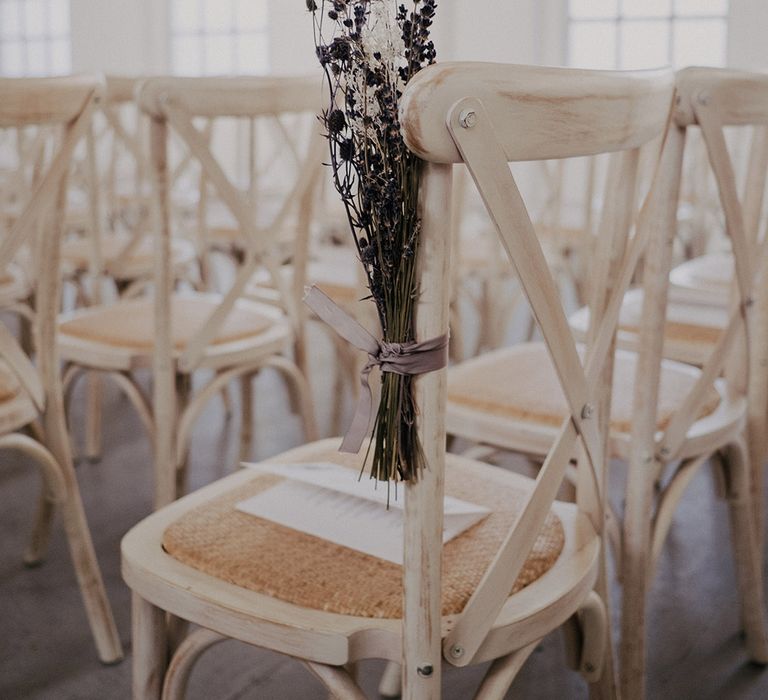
[236,576]
[181,332]
[669,424]
[31,395]
[117,240]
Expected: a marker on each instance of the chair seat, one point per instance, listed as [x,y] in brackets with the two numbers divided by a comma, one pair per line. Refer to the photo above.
[76,252]
[693,325]
[709,276]
[204,550]
[128,326]
[332,268]
[520,383]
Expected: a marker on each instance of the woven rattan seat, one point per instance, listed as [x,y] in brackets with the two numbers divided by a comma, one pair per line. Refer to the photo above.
[129,324]
[686,322]
[250,552]
[520,383]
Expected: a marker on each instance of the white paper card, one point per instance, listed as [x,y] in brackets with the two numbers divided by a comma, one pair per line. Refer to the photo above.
[328,501]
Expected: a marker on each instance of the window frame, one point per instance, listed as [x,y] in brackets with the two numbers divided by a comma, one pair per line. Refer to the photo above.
[202,33]
[621,19]
[48,38]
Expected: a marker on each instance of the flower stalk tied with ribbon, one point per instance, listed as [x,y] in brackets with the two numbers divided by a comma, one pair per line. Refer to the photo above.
[369,50]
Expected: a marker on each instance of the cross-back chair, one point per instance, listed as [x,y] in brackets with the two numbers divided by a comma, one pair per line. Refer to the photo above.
[177,333]
[111,254]
[534,563]
[117,240]
[666,426]
[31,404]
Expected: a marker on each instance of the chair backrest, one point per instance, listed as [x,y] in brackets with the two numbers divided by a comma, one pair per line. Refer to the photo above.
[488,115]
[48,103]
[175,103]
[711,100]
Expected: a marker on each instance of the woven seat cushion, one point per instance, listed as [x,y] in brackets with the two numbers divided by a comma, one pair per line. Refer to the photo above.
[686,322]
[130,324]
[77,251]
[520,383]
[304,570]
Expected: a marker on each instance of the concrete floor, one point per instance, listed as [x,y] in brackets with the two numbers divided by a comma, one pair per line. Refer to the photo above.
[46,652]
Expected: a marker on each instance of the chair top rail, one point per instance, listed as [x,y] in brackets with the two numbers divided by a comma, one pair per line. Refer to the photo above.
[43,101]
[121,89]
[231,97]
[538,113]
[740,97]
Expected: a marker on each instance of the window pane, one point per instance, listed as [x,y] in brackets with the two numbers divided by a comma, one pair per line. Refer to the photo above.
[9,18]
[700,42]
[187,16]
[250,15]
[12,58]
[252,54]
[58,17]
[34,18]
[701,7]
[644,44]
[646,8]
[188,55]
[592,45]
[61,57]
[593,8]
[36,63]
[217,16]
[218,55]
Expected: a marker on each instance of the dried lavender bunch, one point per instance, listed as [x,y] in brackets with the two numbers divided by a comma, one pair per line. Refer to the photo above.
[369,50]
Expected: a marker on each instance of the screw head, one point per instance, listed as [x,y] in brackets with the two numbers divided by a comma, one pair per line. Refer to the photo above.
[457,651]
[589,667]
[587,411]
[703,99]
[468,118]
[425,671]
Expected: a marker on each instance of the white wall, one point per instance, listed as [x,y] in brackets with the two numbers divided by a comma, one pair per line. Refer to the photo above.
[119,36]
[130,36]
[747,40]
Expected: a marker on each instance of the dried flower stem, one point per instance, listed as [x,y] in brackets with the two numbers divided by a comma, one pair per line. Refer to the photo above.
[371,50]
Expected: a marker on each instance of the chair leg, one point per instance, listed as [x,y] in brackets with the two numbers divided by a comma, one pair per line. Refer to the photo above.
[297,382]
[150,649]
[94,396]
[183,661]
[635,562]
[89,577]
[337,680]
[747,556]
[502,673]
[246,416]
[41,531]
[183,394]
[391,683]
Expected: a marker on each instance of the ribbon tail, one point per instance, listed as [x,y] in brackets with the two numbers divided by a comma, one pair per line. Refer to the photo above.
[341,322]
[361,421]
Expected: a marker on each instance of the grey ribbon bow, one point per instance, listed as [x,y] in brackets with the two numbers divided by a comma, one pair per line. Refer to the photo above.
[400,358]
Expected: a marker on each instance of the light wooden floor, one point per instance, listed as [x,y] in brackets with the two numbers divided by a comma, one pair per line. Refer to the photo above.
[47,653]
